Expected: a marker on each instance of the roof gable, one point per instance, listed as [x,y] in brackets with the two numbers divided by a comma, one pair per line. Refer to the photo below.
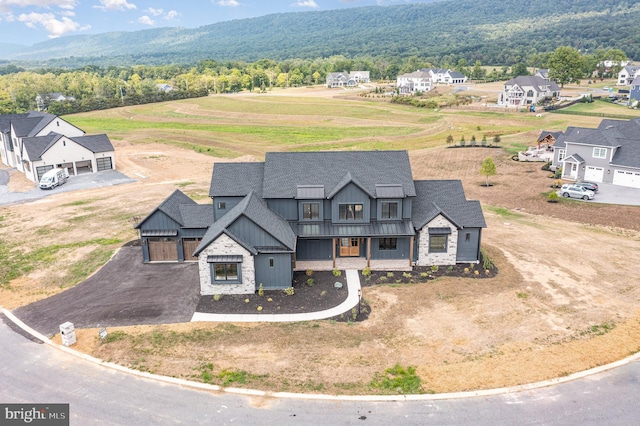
[445,197]
[171,207]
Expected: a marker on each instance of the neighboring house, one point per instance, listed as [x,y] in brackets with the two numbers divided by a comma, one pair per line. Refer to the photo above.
[609,154]
[445,76]
[634,91]
[270,218]
[344,79]
[527,90]
[627,75]
[36,142]
[548,138]
[543,73]
[418,81]
[163,87]
[43,101]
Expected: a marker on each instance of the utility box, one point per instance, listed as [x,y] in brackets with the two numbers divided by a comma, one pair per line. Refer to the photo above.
[68,333]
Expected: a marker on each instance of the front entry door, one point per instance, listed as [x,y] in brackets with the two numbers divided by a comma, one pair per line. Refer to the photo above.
[349,247]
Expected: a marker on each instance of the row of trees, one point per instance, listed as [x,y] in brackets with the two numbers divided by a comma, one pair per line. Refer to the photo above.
[95,87]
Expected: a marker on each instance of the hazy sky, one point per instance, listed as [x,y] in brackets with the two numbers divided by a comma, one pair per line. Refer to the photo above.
[32,21]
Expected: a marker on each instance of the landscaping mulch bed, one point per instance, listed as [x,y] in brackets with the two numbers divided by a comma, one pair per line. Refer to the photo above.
[421,274]
[309,296]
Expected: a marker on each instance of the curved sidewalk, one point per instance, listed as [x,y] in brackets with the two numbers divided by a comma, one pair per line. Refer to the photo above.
[353,298]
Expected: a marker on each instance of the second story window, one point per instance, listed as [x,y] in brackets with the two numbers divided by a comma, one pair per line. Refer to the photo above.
[599,152]
[389,210]
[311,211]
[350,212]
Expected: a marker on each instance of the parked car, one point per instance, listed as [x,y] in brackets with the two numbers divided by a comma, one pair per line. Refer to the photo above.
[573,191]
[591,186]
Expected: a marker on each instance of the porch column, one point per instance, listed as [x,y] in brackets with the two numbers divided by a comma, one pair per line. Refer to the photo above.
[368,252]
[411,251]
[294,261]
[333,252]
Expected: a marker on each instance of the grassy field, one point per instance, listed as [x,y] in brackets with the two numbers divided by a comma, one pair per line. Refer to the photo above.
[235,125]
[603,107]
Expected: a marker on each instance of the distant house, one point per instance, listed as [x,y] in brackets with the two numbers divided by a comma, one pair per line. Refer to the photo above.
[634,91]
[445,76]
[36,142]
[344,79]
[313,210]
[164,87]
[527,90]
[418,81]
[43,101]
[627,75]
[543,73]
[610,153]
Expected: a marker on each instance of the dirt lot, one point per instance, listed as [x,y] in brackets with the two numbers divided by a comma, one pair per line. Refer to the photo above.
[567,297]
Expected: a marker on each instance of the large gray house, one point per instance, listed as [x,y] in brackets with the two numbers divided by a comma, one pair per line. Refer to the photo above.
[268,218]
[610,153]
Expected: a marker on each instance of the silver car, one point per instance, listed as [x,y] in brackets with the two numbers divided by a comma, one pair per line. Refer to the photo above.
[575,191]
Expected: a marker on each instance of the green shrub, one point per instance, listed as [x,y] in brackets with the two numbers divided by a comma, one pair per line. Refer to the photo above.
[336,272]
[366,272]
[398,380]
[310,282]
[217,297]
[260,290]
[289,291]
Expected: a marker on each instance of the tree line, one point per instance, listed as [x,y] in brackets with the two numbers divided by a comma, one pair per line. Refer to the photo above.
[95,87]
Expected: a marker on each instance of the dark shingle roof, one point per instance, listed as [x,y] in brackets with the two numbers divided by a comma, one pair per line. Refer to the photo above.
[554,134]
[236,179]
[36,146]
[171,207]
[197,216]
[94,143]
[24,126]
[445,197]
[284,171]
[257,211]
[5,121]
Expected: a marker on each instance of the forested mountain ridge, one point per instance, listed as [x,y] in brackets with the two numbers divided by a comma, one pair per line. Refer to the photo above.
[492,31]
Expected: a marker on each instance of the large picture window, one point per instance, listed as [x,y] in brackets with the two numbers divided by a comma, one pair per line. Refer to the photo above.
[388,244]
[225,272]
[351,212]
[437,243]
[389,210]
[311,211]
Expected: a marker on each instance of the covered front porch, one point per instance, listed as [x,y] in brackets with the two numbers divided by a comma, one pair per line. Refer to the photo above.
[359,263]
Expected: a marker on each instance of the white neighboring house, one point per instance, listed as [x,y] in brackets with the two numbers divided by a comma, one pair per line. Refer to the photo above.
[43,101]
[445,76]
[527,90]
[36,142]
[418,81]
[344,79]
[627,75]
[164,87]
[543,73]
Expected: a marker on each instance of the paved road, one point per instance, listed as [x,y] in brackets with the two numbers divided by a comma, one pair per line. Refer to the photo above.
[74,183]
[124,292]
[37,373]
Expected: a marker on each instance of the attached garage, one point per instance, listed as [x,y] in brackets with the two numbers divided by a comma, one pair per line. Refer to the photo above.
[593,174]
[626,178]
[42,170]
[104,163]
[162,249]
[189,246]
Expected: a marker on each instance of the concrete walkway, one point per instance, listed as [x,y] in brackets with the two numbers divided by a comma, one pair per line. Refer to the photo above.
[353,298]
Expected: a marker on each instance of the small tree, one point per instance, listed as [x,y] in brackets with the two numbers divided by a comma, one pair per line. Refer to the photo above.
[462,141]
[449,140]
[488,168]
[496,139]
[473,140]
[484,140]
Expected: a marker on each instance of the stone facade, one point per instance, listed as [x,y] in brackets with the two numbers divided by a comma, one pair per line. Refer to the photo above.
[224,245]
[428,259]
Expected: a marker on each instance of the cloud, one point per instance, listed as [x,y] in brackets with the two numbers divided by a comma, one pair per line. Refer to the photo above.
[154,12]
[6,5]
[49,22]
[232,3]
[305,3]
[172,14]
[144,19]
[115,5]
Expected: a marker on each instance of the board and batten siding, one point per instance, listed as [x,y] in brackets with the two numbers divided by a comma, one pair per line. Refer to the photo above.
[223,246]
[313,249]
[227,202]
[278,276]
[351,194]
[248,231]
[401,252]
[288,209]
[468,245]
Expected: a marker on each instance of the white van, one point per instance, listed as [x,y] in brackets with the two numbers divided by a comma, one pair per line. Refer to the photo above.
[53,178]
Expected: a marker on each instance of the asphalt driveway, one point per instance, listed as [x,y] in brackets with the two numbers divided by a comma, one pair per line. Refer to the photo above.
[124,292]
[614,194]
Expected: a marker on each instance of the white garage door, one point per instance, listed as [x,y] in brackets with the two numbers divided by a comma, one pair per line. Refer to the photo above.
[593,174]
[626,178]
